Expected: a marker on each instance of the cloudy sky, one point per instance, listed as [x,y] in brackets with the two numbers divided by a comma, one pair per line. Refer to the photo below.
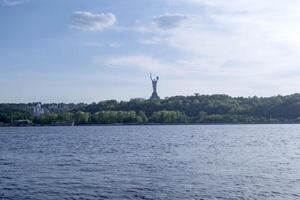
[91,50]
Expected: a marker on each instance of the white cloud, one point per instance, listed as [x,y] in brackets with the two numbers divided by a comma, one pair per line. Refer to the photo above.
[88,21]
[153,40]
[144,63]
[245,43]
[252,43]
[114,45]
[234,5]
[12,2]
[93,44]
[169,21]
[140,62]
[238,47]
[101,44]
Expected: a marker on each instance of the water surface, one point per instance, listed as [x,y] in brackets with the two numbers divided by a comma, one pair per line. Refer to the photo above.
[151,162]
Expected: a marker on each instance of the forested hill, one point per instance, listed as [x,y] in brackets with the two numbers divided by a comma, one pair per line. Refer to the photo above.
[172,110]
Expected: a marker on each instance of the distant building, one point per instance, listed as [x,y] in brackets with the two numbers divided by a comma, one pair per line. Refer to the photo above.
[58,107]
[38,110]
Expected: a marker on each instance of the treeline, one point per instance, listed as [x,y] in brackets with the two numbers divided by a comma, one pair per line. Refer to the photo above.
[111,117]
[172,110]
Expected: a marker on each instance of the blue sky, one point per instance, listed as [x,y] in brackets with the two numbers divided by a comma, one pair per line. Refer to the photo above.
[91,50]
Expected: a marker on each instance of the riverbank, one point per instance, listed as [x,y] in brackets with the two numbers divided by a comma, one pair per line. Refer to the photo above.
[149,124]
[195,109]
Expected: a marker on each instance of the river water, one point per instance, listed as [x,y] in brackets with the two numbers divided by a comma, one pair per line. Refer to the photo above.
[150,162]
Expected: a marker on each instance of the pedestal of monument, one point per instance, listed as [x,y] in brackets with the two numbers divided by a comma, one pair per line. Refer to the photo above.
[154,96]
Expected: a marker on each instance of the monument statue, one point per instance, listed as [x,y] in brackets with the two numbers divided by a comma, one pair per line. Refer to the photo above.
[154,87]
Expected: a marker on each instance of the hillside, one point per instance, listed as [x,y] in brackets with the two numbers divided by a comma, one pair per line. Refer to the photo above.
[172,110]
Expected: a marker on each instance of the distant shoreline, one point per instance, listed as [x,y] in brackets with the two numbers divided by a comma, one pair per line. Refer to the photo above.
[177,110]
[157,124]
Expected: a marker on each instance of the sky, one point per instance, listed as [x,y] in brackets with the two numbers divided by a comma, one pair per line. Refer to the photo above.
[93,50]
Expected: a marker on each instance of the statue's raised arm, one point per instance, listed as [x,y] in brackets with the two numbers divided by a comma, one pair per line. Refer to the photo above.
[151,77]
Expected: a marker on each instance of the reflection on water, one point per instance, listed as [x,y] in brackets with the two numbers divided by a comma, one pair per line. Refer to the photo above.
[151,162]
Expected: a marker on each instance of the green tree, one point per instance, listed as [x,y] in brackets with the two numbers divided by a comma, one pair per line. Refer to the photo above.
[82,117]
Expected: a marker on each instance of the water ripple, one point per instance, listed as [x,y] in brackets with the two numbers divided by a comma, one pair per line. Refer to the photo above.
[150,162]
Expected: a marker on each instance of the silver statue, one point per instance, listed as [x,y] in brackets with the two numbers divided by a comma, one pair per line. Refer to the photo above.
[154,86]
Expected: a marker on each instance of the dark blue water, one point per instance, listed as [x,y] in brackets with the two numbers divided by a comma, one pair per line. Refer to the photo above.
[151,162]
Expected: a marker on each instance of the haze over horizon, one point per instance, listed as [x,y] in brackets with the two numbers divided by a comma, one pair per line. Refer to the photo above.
[92,50]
